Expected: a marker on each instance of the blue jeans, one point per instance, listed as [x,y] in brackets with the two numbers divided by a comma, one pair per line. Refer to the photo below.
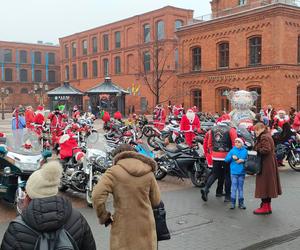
[237,183]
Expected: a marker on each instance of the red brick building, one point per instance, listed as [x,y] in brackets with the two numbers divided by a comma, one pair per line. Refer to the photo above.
[245,44]
[139,53]
[25,65]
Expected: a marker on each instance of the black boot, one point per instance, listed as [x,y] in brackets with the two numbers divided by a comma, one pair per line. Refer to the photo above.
[241,204]
[204,193]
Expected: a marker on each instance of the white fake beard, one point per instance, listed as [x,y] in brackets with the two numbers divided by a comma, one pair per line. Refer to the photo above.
[190,116]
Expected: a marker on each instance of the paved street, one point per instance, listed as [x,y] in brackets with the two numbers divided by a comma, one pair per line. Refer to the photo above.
[212,225]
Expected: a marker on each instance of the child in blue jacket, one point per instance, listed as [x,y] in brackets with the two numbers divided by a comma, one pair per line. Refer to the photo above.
[237,157]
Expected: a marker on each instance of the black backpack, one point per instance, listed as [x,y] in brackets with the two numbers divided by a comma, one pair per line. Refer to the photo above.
[57,240]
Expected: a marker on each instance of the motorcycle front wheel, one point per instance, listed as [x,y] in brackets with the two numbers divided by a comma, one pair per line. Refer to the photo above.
[159,174]
[294,162]
[197,179]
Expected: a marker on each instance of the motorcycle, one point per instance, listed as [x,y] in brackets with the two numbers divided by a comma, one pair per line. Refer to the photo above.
[19,158]
[183,162]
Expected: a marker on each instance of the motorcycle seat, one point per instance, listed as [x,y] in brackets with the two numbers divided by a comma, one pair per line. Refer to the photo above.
[182,147]
[173,154]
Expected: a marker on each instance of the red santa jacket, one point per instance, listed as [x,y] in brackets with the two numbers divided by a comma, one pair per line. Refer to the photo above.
[76,115]
[280,121]
[69,147]
[29,118]
[188,128]
[39,118]
[56,119]
[296,123]
[207,150]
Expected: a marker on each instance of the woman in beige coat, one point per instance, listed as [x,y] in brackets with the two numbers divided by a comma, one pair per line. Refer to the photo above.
[135,192]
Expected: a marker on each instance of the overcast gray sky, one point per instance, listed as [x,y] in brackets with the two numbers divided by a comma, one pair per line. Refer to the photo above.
[47,20]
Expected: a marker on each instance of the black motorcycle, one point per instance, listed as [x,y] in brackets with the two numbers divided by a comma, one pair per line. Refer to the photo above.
[183,162]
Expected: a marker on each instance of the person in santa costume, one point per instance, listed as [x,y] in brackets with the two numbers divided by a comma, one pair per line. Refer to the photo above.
[39,116]
[69,148]
[188,124]
[207,151]
[296,123]
[75,113]
[178,111]
[280,119]
[29,117]
[159,117]
[56,118]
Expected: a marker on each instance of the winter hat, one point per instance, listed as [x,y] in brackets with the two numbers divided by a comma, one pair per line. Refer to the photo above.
[44,182]
[40,108]
[240,140]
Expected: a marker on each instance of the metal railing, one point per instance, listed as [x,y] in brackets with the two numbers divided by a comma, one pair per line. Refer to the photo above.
[241,8]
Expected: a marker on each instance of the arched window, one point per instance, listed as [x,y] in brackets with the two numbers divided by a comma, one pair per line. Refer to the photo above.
[95,68]
[105,42]
[117,39]
[147,61]
[23,75]
[176,57]
[24,91]
[147,34]
[74,71]
[257,103]
[9,90]
[178,24]
[84,47]
[8,55]
[95,44]
[23,56]
[105,67]
[222,102]
[196,59]
[160,30]
[66,51]
[51,76]
[37,57]
[223,55]
[8,74]
[84,70]
[74,47]
[37,75]
[117,65]
[255,50]
[197,99]
[67,73]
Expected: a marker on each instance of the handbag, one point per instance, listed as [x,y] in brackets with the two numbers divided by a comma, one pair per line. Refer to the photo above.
[253,163]
[162,230]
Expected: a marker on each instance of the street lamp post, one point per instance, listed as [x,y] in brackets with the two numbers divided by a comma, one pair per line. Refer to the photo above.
[3,94]
[40,89]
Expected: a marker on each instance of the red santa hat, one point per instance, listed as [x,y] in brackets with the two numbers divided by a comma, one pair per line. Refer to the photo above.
[281,112]
[224,118]
[40,108]
[118,115]
[241,140]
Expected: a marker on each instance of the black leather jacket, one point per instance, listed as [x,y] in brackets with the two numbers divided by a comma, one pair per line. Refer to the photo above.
[46,215]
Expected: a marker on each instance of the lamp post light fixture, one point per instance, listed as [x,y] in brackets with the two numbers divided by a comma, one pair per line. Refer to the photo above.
[3,94]
[40,89]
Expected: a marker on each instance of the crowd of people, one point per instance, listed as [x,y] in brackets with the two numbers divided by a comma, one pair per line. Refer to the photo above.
[132,224]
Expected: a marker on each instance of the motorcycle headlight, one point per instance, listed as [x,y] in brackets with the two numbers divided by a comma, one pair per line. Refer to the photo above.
[7,170]
[100,161]
[27,166]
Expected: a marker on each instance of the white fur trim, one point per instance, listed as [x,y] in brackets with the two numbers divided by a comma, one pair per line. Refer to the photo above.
[190,115]
[64,138]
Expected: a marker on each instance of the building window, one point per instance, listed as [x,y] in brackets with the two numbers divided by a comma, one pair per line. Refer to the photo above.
[74,48]
[298,49]
[197,99]
[257,103]
[84,70]
[117,65]
[255,51]
[37,57]
[95,68]
[176,55]
[84,47]
[95,44]
[222,102]
[51,76]
[160,30]
[23,56]
[37,75]
[67,73]
[66,51]
[105,67]
[105,42]
[8,55]
[10,90]
[51,58]
[196,59]
[242,2]
[8,75]
[146,33]
[74,71]
[146,61]
[24,91]
[117,39]
[23,75]
[178,24]
[224,55]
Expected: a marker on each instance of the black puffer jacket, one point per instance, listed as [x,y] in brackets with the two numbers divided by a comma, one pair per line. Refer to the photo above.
[46,215]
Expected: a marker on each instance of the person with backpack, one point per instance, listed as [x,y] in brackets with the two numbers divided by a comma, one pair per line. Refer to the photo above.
[47,215]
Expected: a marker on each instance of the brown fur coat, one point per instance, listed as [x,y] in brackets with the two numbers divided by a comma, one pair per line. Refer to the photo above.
[135,191]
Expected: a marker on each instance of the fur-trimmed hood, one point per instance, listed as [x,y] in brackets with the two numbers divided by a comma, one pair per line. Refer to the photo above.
[134,163]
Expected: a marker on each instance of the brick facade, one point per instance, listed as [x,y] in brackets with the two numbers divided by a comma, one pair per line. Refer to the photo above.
[276,76]
[22,66]
[130,52]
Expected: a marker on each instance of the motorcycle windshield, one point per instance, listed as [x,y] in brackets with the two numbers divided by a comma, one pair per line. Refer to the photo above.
[23,141]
